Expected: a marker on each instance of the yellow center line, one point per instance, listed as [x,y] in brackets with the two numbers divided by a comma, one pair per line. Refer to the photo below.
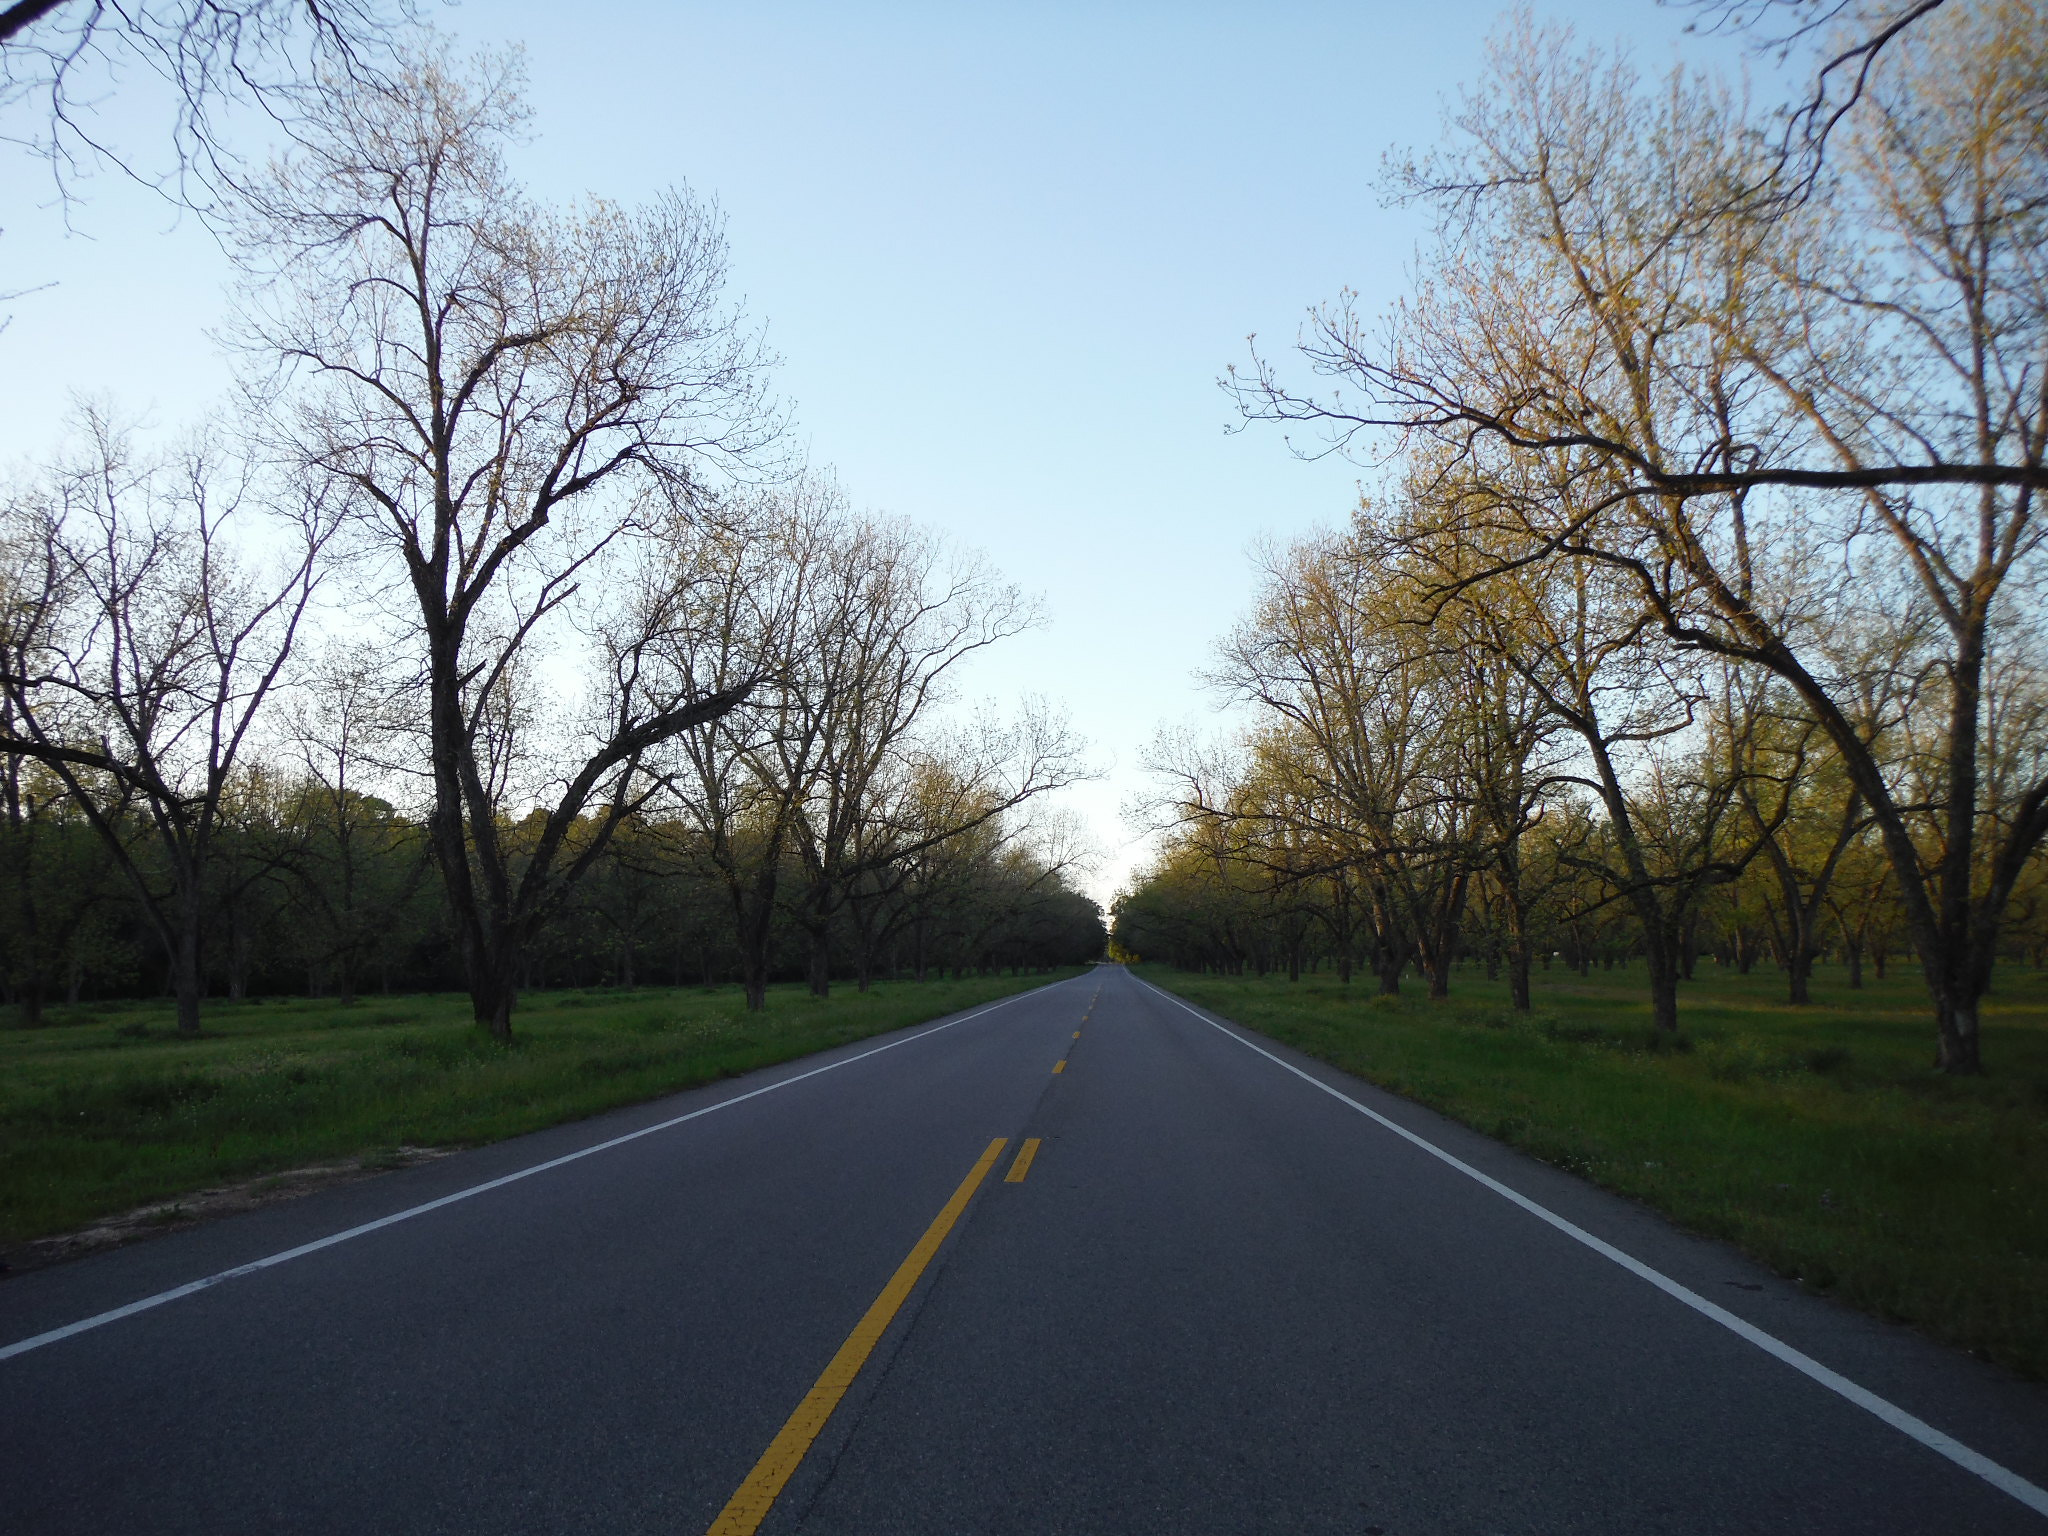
[747,1508]
[1023,1164]
[1077,1034]
[1060,1065]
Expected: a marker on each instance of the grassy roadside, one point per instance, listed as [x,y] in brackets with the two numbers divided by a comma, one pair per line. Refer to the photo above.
[1817,1139]
[106,1109]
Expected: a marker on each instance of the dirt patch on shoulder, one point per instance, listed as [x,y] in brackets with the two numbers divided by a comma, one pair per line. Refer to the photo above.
[147,1221]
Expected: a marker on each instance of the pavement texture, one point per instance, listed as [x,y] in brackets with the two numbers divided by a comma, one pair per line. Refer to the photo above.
[1219,1301]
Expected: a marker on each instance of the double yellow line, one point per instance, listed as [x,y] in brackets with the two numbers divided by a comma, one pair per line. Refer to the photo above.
[1022,1166]
[746,1509]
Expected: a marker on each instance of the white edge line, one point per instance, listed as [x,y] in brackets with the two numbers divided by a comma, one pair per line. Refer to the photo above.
[2001,1478]
[101,1319]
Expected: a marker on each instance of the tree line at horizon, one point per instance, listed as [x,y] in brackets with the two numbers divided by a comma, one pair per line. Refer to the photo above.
[493,634]
[1697,607]
[325,893]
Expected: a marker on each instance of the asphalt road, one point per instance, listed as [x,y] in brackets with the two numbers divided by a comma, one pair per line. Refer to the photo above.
[1220,1299]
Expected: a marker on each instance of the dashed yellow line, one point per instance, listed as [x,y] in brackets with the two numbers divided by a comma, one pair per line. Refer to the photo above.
[1022,1166]
[1060,1065]
[1077,1034]
[747,1508]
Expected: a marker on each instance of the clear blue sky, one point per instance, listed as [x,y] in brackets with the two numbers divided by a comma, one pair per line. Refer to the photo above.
[1005,251]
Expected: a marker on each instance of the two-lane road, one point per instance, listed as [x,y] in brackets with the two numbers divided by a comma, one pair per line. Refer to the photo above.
[1082,1261]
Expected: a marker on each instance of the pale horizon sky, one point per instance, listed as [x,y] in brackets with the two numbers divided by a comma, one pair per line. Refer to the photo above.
[1004,252]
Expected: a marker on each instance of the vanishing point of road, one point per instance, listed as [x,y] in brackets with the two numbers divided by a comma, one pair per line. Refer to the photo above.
[1085,1260]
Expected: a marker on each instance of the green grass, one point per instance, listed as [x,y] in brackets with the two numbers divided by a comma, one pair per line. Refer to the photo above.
[106,1109]
[1818,1139]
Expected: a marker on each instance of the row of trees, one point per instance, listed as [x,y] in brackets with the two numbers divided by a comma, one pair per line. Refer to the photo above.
[334,894]
[1471,781]
[1710,560]
[505,534]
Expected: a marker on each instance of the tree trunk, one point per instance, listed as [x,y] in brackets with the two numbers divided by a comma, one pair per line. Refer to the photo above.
[821,962]
[1802,943]
[1518,976]
[1799,972]
[1662,957]
[492,997]
[1956,1002]
[1956,1020]
[185,974]
[754,977]
[753,922]
[30,999]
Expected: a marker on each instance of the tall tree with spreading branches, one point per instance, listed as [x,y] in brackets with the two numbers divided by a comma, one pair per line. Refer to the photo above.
[531,407]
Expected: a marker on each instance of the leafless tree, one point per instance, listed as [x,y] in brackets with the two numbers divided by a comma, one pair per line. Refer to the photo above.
[897,616]
[931,789]
[59,59]
[531,407]
[1849,35]
[855,627]
[346,722]
[1742,396]
[53,883]
[1370,757]
[144,635]
[739,778]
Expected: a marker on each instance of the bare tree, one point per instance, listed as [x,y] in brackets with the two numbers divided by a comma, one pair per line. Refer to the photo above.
[929,788]
[739,778]
[59,58]
[899,616]
[1375,760]
[1850,35]
[529,406]
[1743,395]
[356,863]
[54,878]
[142,641]
[855,627]
[1503,736]
[1572,634]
